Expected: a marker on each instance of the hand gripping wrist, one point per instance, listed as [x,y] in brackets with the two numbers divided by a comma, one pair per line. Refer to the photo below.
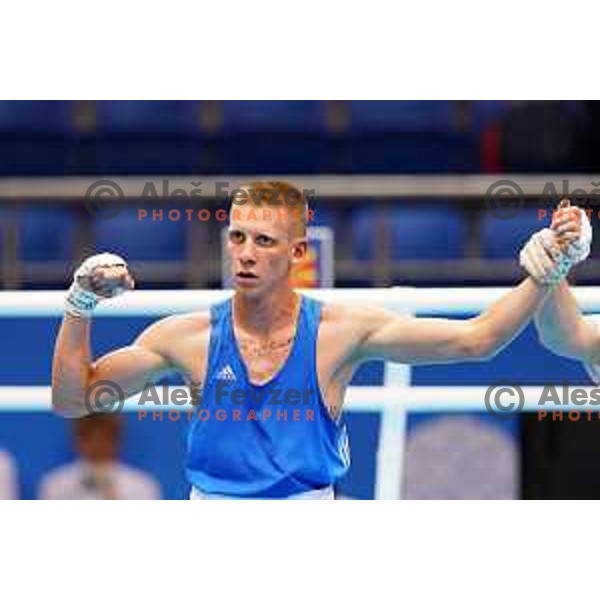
[542,259]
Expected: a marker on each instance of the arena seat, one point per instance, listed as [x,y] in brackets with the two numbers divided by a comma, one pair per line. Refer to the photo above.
[403,116]
[35,117]
[290,116]
[273,137]
[416,231]
[144,136]
[504,238]
[142,239]
[410,137]
[181,117]
[35,137]
[47,233]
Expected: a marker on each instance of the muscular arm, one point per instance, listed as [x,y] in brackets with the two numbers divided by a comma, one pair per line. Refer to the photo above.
[159,349]
[419,340]
[73,370]
[564,330]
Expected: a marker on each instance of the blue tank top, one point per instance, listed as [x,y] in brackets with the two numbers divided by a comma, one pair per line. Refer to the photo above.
[270,440]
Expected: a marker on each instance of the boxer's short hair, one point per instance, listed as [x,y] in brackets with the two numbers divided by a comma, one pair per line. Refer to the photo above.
[277,195]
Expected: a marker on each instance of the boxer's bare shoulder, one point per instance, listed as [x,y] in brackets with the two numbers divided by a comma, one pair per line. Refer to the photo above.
[343,331]
[182,340]
[361,332]
[168,330]
[352,324]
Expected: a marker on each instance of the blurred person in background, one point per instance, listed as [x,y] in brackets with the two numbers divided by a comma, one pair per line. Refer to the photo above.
[8,477]
[97,474]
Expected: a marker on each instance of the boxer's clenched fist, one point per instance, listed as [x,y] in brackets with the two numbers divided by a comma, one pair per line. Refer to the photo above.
[550,253]
[99,277]
[573,231]
[107,281]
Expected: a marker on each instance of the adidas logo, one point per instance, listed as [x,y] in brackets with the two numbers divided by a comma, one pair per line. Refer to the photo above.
[226,374]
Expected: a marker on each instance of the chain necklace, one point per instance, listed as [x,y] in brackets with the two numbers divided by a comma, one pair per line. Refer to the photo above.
[256,349]
[268,351]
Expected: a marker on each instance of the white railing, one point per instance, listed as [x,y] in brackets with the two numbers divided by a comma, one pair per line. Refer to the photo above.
[74,188]
[158,303]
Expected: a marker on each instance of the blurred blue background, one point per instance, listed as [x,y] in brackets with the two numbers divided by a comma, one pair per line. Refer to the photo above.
[380,240]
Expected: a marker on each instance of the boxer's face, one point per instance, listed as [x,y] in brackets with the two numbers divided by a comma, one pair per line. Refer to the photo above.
[263,245]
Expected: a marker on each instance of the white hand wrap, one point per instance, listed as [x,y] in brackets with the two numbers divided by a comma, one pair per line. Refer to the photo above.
[579,250]
[80,302]
[539,256]
[546,262]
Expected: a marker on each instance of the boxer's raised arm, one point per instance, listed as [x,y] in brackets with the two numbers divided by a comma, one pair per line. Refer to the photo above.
[547,257]
[416,340]
[564,330]
[561,326]
[73,372]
